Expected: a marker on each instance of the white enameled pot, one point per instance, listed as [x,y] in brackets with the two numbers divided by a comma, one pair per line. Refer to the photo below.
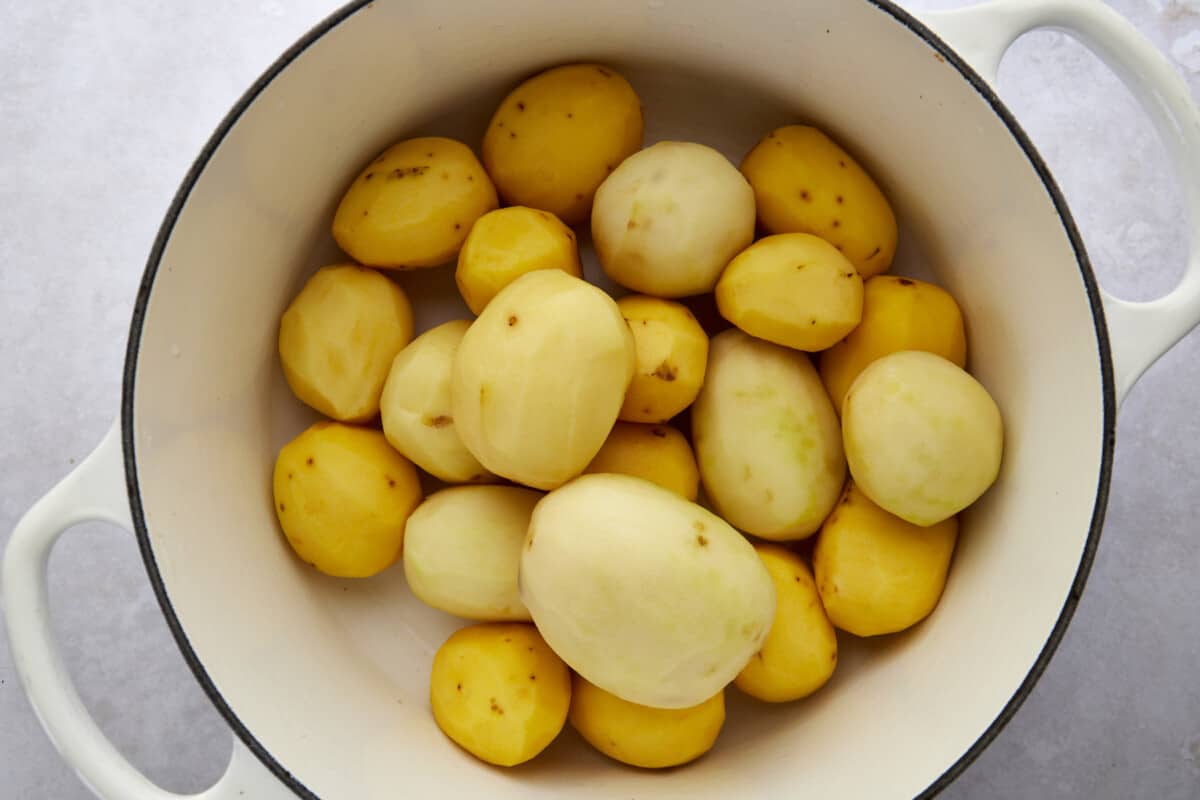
[324,682]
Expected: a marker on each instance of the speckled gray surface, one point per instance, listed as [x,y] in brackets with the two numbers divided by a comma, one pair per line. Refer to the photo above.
[102,108]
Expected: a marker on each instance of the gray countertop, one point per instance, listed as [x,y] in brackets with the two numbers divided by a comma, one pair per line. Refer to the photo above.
[104,105]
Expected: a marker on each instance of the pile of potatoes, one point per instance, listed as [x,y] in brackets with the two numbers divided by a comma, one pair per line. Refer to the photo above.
[622,566]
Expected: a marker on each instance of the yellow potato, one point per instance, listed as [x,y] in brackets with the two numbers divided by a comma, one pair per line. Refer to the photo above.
[805,183]
[792,289]
[338,337]
[923,438]
[656,453]
[672,354]
[505,244]
[877,573]
[898,314]
[413,205]
[499,692]
[641,736]
[800,652]
[556,137]
[342,496]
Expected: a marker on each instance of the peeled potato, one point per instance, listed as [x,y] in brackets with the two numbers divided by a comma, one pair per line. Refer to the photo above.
[338,337]
[499,692]
[342,496]
[413,205]
[805,183]
[923,438]
[792,289]
[505,244]
[641,736]
[898,314]
[656,453]
[559,134]
[877,573]
[672,355]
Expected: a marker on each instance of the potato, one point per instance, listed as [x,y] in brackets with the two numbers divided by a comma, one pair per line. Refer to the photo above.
[499,692]
[877,573]
[800,652]
[655,453]
[558,135]
[338,337]
[540,376]
[767,439]
[672,354]
[923,438]
[415,407]
[667,221]
[644,594]
[342,496]
[898,314]
[641,736]
[505,244]
[413,205]
[792,289]
[462,547]
[805,183]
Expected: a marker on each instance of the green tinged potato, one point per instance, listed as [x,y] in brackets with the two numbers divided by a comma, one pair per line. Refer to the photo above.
[672,355]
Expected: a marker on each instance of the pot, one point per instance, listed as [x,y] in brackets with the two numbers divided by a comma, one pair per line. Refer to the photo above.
[324,682]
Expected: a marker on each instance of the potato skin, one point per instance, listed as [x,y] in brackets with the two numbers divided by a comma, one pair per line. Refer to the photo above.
[876,573]
[804,182]
[656,453]
[499,692]
[672,355]
[338,337]
[558,135]
[767,439]
[342,496]
[651,738]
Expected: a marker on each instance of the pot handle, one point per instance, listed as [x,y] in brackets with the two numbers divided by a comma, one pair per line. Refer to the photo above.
[95,490]
[1140,332]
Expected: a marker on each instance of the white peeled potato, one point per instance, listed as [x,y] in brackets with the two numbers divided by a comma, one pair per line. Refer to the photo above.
[652,598]
[923,438]
[767,438]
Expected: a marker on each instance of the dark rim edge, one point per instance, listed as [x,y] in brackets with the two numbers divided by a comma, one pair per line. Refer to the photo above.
[320,29]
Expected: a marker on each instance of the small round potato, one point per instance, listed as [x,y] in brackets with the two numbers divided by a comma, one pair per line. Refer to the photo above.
[670,218]
[898,314]
[877,573]
[641,736]
[499,692]
[505,244]
[558,135]
[462,548]
[672,354]
[415,407]
[800,652]
[343,495]
[923,438]
[805,183]
[413,205]
[657,453]
[792,289]
[338,337]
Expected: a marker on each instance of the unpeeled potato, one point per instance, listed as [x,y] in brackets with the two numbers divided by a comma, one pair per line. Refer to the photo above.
[672,355]
[657,453]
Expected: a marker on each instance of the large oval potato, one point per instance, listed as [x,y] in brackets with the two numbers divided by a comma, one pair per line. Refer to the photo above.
[499,692]
[342,496]
[558,135]
[413,205]
[462,549]
[923,438]
[877,573]
[644,594]
[767,439]
[672,354]
[805,183]
[338,337]
[668,220]
[656,453]
[540,376]
[415,406]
